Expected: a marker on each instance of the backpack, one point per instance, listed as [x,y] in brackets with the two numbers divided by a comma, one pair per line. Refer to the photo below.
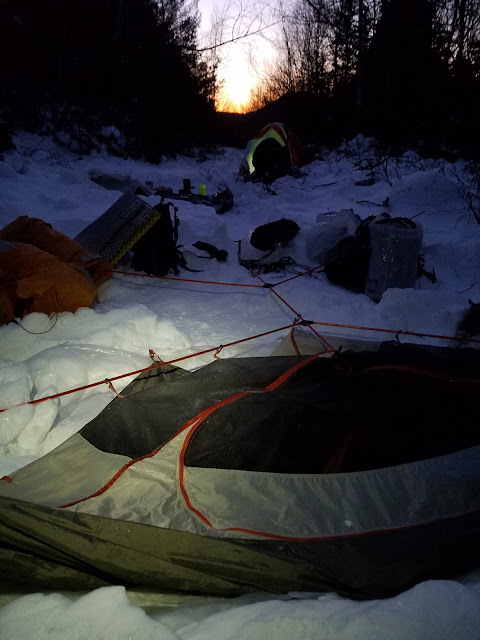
[350,259]
[157,251]
[380,256]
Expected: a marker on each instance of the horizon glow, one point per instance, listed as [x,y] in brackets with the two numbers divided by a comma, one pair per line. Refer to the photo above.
[241,65]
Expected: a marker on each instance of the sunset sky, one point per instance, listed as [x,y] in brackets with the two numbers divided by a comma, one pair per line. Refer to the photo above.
[242,61]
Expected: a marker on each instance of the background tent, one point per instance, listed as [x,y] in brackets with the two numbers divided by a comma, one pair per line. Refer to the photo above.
[271,152]
[277,474]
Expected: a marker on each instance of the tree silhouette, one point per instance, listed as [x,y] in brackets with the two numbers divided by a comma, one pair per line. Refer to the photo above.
[73,67]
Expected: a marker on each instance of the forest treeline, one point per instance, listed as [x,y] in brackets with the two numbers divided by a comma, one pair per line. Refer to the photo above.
[405,71]
[78,66]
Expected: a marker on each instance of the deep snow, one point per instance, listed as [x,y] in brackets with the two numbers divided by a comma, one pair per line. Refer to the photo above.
[46,355]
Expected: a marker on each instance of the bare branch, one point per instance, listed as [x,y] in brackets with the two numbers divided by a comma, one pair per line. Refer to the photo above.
[241,36]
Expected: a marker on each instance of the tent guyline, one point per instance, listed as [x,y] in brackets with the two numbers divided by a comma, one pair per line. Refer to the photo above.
[157,364]
[298,316]
[225,284]
[266,285]
[397,332]
[298,321]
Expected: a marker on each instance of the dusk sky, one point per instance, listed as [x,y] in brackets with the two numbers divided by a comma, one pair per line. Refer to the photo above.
[242,61]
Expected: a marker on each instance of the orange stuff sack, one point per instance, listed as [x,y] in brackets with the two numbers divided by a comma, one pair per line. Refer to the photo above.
[40,234]
[34,280]
[44,270]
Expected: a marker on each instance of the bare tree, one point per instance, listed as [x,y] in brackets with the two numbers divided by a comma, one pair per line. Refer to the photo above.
[321,45]
[457,30]
[236,25]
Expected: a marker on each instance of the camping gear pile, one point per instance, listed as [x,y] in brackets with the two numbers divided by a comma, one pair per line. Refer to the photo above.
[221,201]
[368,256]
[44,270]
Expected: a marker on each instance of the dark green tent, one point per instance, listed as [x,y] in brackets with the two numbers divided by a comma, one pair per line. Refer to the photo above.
[358,473]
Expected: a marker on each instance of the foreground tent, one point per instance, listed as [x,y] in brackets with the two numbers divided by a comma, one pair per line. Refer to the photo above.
[358,473]
[270,153]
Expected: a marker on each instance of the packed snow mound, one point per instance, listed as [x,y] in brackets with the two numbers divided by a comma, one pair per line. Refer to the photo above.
[435,610]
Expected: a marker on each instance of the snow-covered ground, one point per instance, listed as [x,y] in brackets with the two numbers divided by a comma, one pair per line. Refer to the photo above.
[42,356]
